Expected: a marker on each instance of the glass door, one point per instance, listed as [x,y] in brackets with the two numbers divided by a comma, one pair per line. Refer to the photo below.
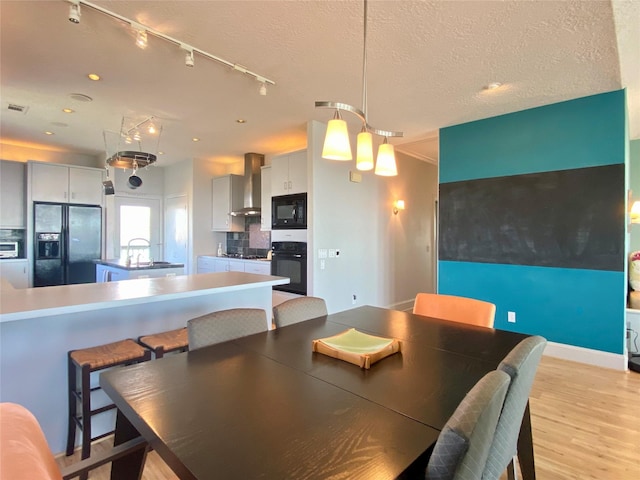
[138,229]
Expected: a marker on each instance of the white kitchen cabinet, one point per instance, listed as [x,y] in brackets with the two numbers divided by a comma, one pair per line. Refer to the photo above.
[260,267]
[265,198]
[227,196]
[289,173]
[12,198]
[15,272]
[65,184]
[205,264]
[224,264]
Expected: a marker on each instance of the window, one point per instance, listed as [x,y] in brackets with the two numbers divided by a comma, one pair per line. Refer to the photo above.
[135,232]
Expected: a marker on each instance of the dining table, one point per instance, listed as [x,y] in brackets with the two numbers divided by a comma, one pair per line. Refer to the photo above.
[266,406]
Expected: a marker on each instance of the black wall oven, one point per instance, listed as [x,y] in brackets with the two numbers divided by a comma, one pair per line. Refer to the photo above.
[289,259]
[289,211]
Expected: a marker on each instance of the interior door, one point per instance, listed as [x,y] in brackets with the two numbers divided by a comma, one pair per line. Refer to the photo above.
[176,230]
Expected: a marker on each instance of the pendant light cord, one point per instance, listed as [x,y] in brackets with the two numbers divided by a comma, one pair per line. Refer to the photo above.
[364,65]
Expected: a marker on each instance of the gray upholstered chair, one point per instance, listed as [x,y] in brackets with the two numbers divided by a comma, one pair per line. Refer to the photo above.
[463,445]
[521,364]
[218,327]
[298,310]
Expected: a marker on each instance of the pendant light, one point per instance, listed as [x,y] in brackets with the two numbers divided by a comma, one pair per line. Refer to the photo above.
[336,143]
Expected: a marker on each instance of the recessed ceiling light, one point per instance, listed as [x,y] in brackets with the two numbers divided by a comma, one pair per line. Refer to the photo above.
[160,153]
[195,139]
[241,120]
[48,133]
[94,76]
[492,86]
[68,110]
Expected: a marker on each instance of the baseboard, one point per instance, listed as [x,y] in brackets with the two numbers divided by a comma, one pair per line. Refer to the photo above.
[586,355]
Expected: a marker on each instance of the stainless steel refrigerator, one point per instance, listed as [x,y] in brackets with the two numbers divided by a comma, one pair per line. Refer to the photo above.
[68,238]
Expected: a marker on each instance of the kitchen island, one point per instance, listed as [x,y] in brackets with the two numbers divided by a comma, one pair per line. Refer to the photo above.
[118,269]
[38,326]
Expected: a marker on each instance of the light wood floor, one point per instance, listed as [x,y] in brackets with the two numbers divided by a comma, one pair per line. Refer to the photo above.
[585,420]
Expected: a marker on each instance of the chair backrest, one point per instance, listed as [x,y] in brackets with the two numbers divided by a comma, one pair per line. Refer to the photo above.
[463,445]
[24,452]
[521,364]
[298,310]
[454,308]
[218,327]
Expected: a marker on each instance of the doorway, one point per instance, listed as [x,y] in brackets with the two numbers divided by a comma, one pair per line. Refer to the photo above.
[137,218]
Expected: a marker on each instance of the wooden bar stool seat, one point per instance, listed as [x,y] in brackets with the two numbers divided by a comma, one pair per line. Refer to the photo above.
[81,363]
[165,342]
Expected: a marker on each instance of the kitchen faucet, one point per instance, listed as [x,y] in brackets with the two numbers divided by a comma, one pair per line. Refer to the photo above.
[138,258]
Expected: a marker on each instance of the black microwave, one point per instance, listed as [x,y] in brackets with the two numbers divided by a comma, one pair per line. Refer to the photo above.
[289,211]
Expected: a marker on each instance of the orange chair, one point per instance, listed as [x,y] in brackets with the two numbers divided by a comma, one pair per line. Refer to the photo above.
[25,454]
[456,309]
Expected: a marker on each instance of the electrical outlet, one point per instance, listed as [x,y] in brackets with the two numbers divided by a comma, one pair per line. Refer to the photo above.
[322,263]
[511,317]
[354,299]
[322,253]
[332,253]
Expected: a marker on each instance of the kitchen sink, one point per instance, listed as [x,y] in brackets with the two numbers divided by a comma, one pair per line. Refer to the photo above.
[147,264]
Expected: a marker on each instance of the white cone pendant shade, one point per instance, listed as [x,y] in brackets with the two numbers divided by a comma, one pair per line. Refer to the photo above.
[364,155]
[386,162]
[336,141]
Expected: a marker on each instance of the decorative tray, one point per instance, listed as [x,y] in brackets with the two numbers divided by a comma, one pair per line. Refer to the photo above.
[356,347]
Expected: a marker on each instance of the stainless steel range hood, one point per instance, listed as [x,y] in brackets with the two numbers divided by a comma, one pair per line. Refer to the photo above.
[252,186]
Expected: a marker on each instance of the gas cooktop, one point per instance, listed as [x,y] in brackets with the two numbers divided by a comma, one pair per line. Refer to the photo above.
[244,257]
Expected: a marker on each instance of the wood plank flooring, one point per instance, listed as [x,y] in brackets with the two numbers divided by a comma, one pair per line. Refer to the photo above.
[585,420]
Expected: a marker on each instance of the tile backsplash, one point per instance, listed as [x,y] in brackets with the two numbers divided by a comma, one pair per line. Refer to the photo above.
[250,242]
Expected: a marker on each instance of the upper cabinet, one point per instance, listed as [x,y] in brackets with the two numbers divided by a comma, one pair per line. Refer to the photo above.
[289,173]
[65,184]
[227,196]
[265,198]
[12,199]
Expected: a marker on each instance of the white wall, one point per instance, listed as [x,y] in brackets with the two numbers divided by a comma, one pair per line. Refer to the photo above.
[384,259]
[22,154]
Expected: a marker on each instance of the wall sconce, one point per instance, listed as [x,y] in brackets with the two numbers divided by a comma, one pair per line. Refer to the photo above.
[634,213]
[397,206]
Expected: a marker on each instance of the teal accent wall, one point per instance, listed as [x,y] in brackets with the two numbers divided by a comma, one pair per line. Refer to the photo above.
[585,308]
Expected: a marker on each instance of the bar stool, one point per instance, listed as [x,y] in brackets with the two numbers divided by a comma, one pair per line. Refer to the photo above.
[82,363]
[165,342]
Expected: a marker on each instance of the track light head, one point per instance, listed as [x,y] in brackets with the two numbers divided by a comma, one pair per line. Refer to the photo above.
[263,89]
[188,59]
[74,11]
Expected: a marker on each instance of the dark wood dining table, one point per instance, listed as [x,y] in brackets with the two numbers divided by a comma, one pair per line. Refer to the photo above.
[266,406]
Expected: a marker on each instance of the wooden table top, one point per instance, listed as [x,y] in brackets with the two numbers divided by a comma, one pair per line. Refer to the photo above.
[266,406]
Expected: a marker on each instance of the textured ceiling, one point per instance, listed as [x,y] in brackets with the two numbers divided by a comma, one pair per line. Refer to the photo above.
[427,63]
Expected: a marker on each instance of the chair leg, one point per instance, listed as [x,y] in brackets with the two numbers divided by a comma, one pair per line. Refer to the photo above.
[86,412]
[159,352]
[71,434]
[512,473]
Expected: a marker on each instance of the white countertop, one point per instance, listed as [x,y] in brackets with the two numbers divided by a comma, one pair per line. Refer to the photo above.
[21,304]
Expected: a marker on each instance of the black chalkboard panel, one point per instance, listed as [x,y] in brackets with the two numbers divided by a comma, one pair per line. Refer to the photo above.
[567,218]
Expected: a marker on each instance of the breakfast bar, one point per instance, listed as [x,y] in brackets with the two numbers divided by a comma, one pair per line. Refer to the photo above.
[38,326]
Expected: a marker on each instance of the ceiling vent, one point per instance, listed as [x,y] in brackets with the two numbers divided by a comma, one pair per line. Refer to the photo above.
[17,108]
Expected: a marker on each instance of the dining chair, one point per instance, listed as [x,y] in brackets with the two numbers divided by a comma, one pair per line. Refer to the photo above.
[298,310]
[454,308]
[218,327]
[25,454]
[461,450]
[521,364]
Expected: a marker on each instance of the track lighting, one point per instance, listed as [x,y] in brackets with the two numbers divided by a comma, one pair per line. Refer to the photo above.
[142,32]
[141,38]
[188,59]
[152,129]
[74,11]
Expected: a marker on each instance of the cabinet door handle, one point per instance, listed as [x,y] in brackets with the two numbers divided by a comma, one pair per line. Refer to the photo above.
[73,195]
[65,195]
[285,185]
[290,186]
